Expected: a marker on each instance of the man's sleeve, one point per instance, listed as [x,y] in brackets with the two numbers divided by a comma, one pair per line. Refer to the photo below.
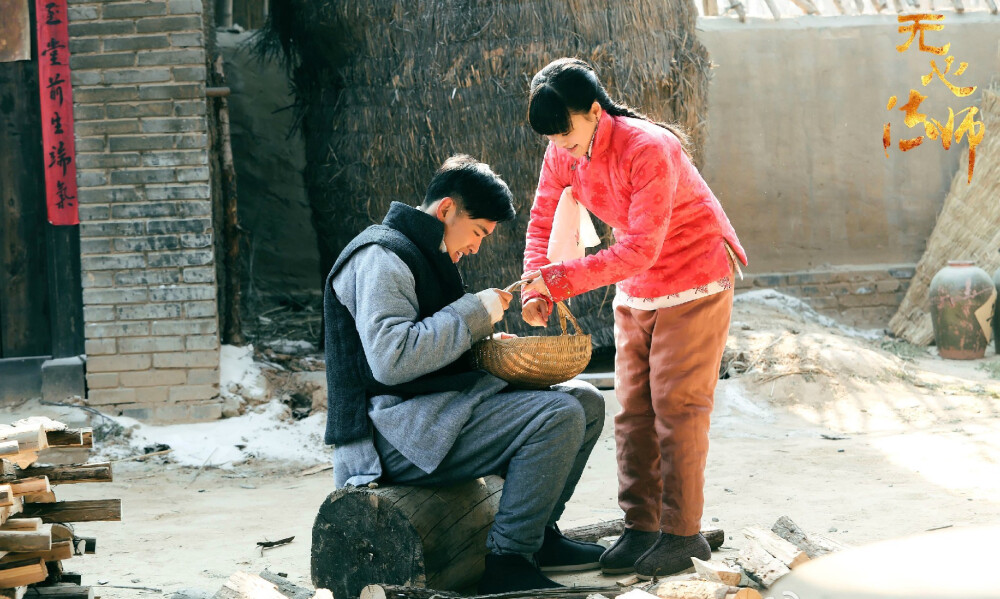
[378,289]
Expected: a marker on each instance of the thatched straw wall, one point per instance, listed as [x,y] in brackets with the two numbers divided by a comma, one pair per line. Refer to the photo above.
[389,89]
[966,229]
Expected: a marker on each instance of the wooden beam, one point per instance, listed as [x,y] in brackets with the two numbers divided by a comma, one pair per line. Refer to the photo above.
[34,484]
[90,510]
[29,438]
[60,591]
[46,497]
[60,551]
[22,572]
[27,540]
[22,524]
[98,472]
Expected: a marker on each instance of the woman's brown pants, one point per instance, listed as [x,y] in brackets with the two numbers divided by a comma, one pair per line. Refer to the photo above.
[666,369]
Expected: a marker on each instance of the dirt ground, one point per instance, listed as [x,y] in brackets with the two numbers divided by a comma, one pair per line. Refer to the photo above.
[860,438]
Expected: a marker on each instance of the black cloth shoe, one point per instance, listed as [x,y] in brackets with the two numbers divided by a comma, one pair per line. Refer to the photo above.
[620,558]
[672,554]
[561,554]
[512,572]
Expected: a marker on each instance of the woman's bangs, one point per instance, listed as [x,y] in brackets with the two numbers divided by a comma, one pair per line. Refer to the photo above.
[547,113]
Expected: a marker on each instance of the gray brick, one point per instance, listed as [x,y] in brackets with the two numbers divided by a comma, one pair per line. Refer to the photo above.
[84,112]
[182,258]
[196,241]
[182,40]
[141,210]
[148,311]
[102,61]
[172,57]
[84,45]
[110,194]
[196,342]
[174,125]
[138,345]
[200,309]
[178,225]
[136,42]
[148,277]
[107,160]
[91,212]
[104,397]
[189,73]
[139,176]
[97,279]
[143,244]
[117,262]
[118,363]
[203,326]
[192,141]
[902,273]
[180,7]
[169,92]
[98,314]
[101,28]
[187,293]
[185,158]
[194,359]
[80,78]
[196,208]
[90,144]
[100,346]
[136,76]
[152,378]
[95,246]
[118,329]
[193,174]
[143,413]
[82,13]
[134,9]
[178,192]
[106,94]
[194,392]
[129,111]
[101,380]
[168,24]
[91,178]
[114,296]
[191,108]
[121,127]
[143,142]
[199,275]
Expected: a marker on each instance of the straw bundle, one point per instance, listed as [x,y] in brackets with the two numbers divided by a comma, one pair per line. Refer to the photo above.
[390,88]
[966,228]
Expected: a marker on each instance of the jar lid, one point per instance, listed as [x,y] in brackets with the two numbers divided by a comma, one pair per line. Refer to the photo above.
[961,262]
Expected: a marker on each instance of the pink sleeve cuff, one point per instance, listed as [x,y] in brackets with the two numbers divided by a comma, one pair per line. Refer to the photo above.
[557,282]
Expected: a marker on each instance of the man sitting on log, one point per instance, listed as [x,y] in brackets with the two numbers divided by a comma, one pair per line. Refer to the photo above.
[405,408]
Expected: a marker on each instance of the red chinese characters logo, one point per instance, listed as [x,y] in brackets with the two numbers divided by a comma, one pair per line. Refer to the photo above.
[969,128]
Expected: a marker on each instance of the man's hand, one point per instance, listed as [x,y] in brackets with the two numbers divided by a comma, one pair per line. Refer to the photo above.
[496,302]
[535,312]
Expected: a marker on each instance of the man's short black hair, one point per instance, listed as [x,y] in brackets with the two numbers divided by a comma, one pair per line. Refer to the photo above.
[476,189]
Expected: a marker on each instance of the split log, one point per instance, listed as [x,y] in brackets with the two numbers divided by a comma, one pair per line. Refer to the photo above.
[59,551]
[813,545]
[243,585]
[614,528]
[99,472]
[47,497]
[70,437]
[22,524]
[28,437]
[26,486]
[415,536]
[391,591]
[22,572]
[717,572]
[785,552]
[703,589]
[762,567]
[89,510]
[60,591]
[27,540]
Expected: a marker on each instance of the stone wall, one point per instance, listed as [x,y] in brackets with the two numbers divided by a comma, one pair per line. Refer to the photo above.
[149,294]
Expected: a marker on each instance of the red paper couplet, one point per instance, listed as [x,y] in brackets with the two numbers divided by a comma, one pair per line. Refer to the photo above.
[57,112]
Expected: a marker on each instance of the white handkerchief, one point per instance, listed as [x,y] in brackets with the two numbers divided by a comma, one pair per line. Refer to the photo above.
[572,230]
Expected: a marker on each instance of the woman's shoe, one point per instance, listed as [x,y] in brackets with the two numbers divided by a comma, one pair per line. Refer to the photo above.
[672,554]
[620,558]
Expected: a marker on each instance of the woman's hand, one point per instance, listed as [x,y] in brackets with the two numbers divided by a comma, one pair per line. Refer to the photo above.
[536,312]
[535,283]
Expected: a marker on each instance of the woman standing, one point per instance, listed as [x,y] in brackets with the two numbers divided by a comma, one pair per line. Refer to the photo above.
[673,262]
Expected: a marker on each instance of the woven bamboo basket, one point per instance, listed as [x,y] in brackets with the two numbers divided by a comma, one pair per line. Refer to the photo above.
[536,362]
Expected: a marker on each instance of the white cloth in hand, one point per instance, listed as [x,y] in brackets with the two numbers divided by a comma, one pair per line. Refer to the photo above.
[491,301]
[572,230]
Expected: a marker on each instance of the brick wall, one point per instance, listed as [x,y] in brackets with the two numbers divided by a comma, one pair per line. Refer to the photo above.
[863,296]
[145,208]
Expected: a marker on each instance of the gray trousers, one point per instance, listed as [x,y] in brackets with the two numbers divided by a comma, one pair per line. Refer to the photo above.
[539,441]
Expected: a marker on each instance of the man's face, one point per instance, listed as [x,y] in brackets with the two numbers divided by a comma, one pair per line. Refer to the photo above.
[462,235]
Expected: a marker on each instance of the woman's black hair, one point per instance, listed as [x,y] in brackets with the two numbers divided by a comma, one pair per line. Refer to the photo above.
[570,85]
[475,188]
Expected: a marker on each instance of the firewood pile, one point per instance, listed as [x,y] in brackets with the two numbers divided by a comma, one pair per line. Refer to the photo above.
[36,529]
